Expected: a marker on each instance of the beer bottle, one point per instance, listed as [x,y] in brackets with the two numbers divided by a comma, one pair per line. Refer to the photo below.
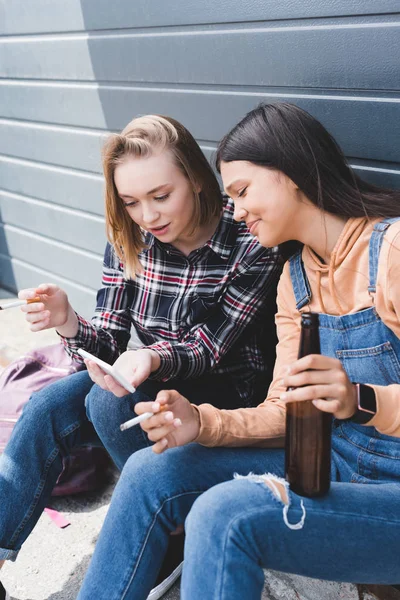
[308,430]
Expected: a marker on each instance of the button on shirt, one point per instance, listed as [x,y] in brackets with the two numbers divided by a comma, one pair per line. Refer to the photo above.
[201,313]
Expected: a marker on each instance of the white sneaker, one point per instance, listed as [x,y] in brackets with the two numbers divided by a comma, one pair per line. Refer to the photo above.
[171,567]
[166,584]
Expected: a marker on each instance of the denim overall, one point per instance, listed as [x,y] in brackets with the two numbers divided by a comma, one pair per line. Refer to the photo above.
[370,353]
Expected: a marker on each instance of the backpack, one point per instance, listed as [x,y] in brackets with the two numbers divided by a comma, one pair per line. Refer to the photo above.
[85,468]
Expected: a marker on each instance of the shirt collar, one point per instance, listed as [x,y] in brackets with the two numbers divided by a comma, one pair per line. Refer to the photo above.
[148,240]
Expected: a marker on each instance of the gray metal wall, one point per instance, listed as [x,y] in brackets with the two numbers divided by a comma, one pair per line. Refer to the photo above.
[72,70]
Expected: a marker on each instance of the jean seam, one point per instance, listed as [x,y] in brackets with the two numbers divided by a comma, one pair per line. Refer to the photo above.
[350,441]
[255,510]
[9,554]
[68,430]
[375,351]
[298,290]
[136,566]
[350,328]
[42,482]
[49,461]
[350,514]
[231,523]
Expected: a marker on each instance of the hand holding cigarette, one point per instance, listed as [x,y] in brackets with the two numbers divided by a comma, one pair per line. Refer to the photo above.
[52,309]
[136,421]
[173,421]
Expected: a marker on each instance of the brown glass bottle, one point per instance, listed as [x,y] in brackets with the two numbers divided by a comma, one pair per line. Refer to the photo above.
[308,430]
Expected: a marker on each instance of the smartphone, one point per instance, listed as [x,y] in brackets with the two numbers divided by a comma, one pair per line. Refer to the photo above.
[108,369]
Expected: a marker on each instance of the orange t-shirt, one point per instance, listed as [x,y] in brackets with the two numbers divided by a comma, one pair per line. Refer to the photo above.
[337,289]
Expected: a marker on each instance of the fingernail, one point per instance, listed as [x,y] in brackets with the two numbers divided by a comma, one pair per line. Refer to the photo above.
[155,407]
[283,396]
[168,416]
[177,423]
[288,370]
[164,443]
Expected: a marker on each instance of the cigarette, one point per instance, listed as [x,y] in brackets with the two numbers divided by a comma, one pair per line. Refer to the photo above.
[20,303]
[135,421]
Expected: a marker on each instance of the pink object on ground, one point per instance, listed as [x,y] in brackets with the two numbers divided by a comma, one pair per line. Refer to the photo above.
[57,517]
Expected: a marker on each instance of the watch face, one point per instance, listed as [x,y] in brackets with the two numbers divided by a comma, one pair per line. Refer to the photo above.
[367,399]
[366,404]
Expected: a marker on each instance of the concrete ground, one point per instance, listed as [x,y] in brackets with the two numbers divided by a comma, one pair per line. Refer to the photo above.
[52,562]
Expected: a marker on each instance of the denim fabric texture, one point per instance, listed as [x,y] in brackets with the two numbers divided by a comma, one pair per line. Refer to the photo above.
[70,413]
[52,422]
[234,527]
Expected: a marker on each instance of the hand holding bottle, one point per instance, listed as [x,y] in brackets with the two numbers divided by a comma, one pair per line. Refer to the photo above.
[308,430]
[323,380]
[54,310]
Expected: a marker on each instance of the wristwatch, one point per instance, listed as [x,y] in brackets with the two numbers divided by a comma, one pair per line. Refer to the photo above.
[366,404]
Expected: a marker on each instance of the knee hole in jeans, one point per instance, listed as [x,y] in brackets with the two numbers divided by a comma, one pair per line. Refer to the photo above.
[279,488]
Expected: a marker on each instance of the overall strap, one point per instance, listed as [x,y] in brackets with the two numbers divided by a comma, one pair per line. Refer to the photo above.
[300,284]
[375,244]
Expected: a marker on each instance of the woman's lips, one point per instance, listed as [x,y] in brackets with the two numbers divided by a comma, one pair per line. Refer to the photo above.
[252,226]
[160,230]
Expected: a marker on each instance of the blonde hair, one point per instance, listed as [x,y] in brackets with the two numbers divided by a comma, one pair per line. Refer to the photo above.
[141,138]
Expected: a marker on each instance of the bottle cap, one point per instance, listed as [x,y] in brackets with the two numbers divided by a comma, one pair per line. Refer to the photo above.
[309,319]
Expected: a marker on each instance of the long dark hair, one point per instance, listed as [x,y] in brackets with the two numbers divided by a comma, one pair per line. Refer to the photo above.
[284,137]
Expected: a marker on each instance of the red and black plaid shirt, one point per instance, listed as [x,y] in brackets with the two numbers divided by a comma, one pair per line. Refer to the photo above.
[200,313]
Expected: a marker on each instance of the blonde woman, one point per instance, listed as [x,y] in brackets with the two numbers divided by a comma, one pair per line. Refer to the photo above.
[290,181]
[195,286]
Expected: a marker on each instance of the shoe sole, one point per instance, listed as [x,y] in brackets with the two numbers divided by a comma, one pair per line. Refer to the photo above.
[165,585]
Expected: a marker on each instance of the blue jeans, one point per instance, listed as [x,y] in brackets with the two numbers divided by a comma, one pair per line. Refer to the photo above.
[236,527]
[67,414]
[53,422]
[107,412]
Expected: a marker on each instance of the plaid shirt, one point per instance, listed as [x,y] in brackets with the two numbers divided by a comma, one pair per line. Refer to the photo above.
[200,313]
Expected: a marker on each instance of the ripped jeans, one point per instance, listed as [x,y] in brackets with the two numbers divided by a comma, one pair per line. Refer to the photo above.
[236,527]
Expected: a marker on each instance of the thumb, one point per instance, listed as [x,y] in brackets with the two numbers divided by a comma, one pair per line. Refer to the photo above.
[169,397]
[47,288]
[139,375]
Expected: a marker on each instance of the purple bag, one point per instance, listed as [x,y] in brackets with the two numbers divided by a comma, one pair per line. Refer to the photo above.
[85,468]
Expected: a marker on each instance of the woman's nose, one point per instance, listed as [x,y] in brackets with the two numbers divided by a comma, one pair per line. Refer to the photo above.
[149,215]
[240,213]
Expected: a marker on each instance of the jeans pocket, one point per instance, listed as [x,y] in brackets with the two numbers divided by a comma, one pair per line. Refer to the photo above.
[377,365]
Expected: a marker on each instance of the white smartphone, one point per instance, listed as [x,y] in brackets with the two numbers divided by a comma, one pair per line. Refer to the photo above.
[109,370]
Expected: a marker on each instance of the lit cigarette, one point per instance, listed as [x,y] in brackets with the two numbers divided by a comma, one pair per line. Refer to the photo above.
[20,303]
[136,421]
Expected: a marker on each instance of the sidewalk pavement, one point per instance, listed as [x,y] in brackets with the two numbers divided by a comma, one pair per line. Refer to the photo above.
[53,561]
